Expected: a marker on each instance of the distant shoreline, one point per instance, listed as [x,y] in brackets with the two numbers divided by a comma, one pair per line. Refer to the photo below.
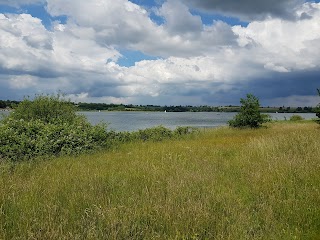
[223,109]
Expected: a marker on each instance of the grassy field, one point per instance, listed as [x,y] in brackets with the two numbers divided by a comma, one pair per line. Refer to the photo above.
[221,184]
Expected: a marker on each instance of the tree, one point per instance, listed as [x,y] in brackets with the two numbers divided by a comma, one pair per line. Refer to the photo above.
[318,109]
[3,104]
[249,115]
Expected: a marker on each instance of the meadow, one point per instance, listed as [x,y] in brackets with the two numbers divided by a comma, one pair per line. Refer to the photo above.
[220,183]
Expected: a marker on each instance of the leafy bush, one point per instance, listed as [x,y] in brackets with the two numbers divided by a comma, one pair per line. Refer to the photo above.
[161,133]
[47,126]
[266,118]
[116,138]
[154,134]
[296,118]
[179,131]
[249,115]
[46,108]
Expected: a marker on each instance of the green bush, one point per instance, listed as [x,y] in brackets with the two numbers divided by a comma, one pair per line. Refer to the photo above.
[179,131]
[161,133]
[154,134]
[47,126]
[46,108]
[249,115]
[296,118]
[116,138]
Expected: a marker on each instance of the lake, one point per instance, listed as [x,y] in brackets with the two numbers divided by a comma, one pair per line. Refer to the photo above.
[132,121]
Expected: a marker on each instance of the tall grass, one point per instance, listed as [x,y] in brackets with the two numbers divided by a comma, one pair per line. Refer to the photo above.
[221,184]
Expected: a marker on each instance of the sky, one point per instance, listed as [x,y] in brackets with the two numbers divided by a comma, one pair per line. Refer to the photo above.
[162,52]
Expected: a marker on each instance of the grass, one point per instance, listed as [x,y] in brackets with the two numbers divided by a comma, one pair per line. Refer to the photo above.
[221,184]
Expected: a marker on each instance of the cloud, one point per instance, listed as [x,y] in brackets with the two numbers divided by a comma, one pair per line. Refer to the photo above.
[28,47]
[178,19]
[17,3]
[296,101]
[22,40]
[53,60]
[124,24]
[286,45]
[277,84]
[23,81]
[113,22]
[248,10]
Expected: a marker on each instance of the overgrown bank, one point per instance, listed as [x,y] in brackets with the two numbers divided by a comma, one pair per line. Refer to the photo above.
[222,184]
[49,126]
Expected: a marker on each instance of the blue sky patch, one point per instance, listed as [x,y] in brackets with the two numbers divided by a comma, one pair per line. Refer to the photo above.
[130,57]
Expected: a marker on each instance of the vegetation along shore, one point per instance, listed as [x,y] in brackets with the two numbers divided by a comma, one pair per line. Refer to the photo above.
[7,104]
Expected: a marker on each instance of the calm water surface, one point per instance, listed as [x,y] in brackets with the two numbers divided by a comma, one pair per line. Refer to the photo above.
[132,121]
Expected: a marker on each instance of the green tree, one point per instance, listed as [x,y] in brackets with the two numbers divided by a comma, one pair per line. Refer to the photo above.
[318,109]
[3,104]
[249,115]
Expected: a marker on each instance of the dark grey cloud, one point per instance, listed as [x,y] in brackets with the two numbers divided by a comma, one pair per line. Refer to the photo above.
[275,86]
[281,85]
[102,90]
[8,94]
[42,71]
[249,9]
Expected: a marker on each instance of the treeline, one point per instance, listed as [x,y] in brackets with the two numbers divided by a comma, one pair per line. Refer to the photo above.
[157,108]
[7,104]
[298,109]
[152,108]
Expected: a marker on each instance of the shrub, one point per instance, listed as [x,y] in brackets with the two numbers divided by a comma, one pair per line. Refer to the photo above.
[180,131]
[161,133]
[115,138]
[46,108]
[47,126]
[296,118]
[154,134]
[266,118]
[249,115]
[158,133]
